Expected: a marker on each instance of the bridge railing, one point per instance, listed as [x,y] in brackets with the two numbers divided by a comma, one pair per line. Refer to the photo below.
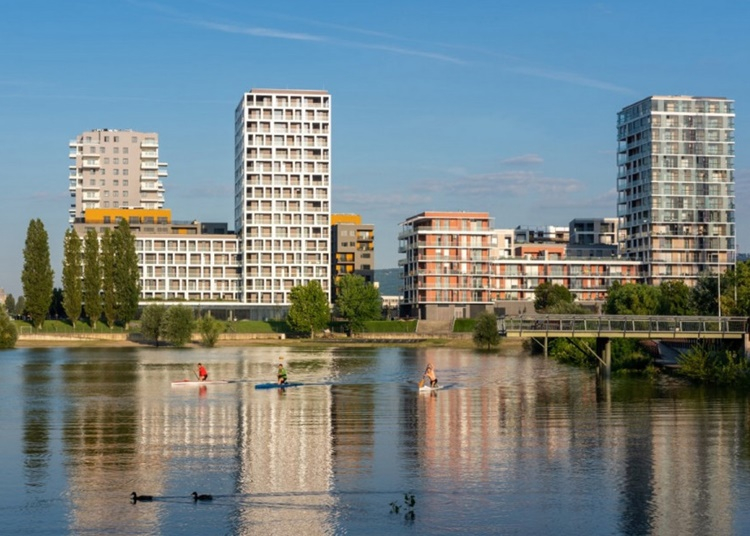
[609,324]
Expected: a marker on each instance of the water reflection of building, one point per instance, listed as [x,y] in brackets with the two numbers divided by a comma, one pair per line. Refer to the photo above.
[272,449]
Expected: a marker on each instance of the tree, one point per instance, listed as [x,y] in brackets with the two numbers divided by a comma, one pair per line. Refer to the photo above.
[674,299]
[37,276]
[107,262]
[178,325]
[10,305]
[152,319]
[126,275]
[210,329]
[549,295]
[20,306]
[72,274]
[631,299]
[8,330]
[92,278]
[309,311]
[357,301]
[485,331]
[56,309]
[704,295]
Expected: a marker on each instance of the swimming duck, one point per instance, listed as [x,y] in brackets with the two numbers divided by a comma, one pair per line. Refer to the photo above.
[202,497]
[135,497]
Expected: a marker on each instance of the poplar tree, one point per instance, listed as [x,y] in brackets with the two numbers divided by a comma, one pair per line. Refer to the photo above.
[37,276]
[72,273]
[10,304]
[92,278]
[107,261]
[126,275]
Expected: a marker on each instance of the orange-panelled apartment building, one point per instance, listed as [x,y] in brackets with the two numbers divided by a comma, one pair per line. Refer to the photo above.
[446,271]
[452,270]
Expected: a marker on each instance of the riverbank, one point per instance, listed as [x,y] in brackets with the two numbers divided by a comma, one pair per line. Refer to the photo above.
[380,339]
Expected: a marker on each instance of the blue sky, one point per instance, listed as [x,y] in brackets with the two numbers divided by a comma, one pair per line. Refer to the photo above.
[504,107]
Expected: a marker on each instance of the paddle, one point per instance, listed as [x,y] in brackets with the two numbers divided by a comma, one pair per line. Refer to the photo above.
[421,382]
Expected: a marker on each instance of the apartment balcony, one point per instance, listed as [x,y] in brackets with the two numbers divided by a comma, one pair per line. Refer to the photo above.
[149,143]
[90,163]
[74,175]
[150,165]
[149,186]
[162,172]
[149,155]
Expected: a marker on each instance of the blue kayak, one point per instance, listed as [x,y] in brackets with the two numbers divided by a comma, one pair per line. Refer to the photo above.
[276,385]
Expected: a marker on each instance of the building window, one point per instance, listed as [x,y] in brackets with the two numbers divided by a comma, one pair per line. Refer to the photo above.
[116,150]
[116,139]
[125,193]
[116,161]
[115,172]
[134,139]
[125,181]
[125,150]
[106,160]
[102,182]
[124,171]
[116,182]
[125,161]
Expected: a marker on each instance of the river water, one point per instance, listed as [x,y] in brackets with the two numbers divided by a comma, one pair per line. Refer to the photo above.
[512,444]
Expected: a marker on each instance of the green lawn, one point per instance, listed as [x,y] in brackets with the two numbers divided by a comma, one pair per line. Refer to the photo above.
[391,326]
[64,326]
[464,325]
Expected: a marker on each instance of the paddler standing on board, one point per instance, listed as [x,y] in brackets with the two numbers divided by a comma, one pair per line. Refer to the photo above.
[430,373]
[202,372]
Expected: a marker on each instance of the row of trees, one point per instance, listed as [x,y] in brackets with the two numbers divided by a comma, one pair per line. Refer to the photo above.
[357,302]
[99,275]
[731,291]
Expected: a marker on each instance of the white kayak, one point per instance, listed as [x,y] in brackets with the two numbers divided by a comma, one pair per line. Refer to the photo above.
[198,382]
[427,388]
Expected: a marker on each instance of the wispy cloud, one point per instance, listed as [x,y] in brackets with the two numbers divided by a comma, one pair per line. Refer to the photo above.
[523,160]
[606,201]
[510,183]
[256,32]
[513,63]
[571,78]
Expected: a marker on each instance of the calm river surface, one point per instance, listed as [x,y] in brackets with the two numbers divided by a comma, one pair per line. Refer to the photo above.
[512,444]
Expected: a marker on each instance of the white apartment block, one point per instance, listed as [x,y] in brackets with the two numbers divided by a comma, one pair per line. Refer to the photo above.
[282,194]
[676,186]
[115,169]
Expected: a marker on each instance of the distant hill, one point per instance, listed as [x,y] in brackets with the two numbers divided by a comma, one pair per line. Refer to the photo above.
[389,281]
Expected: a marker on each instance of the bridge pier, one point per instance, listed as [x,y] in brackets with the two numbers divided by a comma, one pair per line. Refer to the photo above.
[604,353]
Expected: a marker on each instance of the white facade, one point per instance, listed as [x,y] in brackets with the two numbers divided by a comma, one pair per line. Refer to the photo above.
[115,169]
[676,186]
[282,194]
[194,268]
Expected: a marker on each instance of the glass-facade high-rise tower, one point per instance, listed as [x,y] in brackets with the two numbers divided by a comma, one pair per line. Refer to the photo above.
[675,186]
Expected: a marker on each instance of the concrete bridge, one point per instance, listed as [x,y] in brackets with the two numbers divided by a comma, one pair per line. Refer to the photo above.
[604,328]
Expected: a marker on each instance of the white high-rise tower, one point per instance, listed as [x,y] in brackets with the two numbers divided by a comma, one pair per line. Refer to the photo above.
[282,194]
